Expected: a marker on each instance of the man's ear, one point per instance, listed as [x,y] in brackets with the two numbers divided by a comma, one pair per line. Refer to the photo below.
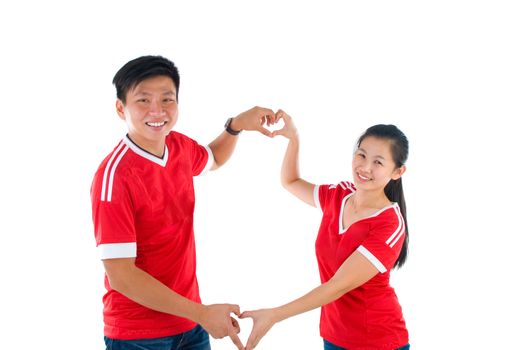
[398,172]
[120,109]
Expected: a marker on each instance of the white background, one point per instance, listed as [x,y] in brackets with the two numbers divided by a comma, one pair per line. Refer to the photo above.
[437,69]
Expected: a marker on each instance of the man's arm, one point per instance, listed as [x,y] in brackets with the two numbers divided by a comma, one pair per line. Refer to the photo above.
[126,278]
[253,119]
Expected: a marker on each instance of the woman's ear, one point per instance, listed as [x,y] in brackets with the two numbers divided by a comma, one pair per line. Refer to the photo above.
[398,172]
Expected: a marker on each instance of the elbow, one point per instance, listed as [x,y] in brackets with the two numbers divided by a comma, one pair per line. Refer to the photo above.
[119,277]
[284,181]
[116,282]
[288,184]
[339,289]
[216,165]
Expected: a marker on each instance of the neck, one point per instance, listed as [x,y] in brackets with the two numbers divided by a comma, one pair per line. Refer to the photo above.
[367,199]
[156,148]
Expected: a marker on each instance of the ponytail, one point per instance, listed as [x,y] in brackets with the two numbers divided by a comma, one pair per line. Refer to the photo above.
[394,192]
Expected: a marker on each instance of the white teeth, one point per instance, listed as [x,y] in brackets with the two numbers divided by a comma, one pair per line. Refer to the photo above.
[362,177]
[155,124]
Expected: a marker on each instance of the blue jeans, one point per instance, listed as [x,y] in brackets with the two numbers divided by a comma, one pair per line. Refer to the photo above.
[195,339]
[331,346]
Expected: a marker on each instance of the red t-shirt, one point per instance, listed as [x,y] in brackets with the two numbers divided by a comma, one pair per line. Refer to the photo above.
[368,317]
[143,207]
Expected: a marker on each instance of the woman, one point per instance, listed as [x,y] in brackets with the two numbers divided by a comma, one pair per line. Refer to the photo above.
[362,236]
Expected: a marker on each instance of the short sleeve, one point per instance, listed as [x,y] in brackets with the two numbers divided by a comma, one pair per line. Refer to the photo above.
[113,219]
[202,159]
[383,244]
[321,195]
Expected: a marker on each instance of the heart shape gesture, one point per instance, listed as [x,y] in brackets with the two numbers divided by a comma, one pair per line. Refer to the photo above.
[219,321]
[262,119]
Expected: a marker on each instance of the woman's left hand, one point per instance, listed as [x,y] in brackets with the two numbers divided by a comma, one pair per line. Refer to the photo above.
[263,320]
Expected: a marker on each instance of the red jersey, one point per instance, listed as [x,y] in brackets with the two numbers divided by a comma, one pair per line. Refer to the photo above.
[368,317]
[143,207]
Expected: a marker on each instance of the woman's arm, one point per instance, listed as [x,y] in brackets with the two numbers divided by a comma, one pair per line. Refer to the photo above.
[290,176]
[355,271]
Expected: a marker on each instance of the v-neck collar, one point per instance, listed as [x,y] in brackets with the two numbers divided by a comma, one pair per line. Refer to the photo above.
[145,154]
[342,230]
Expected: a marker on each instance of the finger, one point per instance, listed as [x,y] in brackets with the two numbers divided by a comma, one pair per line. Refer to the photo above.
[271,119]
[246,314]
[285,117]
[265,131]
[235,309]
[235,324]
[279,115]
[266,112]
[235,339]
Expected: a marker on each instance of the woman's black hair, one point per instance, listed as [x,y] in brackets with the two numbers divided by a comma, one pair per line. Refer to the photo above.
[394,189]
[142,68]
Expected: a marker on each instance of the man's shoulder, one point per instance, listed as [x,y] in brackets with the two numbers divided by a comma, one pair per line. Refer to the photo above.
[177,140]
[175,136]
[118,160]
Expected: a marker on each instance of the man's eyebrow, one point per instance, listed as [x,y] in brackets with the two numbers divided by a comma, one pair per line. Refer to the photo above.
[144,93]
[141,93]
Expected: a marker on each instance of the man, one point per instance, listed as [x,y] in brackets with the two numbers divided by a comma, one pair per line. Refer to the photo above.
[143,204]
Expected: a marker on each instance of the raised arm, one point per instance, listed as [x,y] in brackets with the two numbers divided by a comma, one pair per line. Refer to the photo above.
[290,177]
[253,119]
[126,278]
[355,271]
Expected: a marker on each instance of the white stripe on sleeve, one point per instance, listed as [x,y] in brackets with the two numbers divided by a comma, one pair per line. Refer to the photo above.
[368,255]
[316,200]
[106,171]
[391,241]
[111,175]
[209,163]
[117,250]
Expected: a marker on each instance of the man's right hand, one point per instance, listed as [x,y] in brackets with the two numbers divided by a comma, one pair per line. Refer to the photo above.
[217,321]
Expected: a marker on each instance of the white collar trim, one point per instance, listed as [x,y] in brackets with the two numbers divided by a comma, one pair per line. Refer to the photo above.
[138,150]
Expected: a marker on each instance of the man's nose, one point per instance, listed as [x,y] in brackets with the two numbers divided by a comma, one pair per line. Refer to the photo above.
[156,107]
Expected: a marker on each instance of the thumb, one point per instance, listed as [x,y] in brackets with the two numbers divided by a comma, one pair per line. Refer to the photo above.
[264,131]
[277,132]
[251,343]
[246,314]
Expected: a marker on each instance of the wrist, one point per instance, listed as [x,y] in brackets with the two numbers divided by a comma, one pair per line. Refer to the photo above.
[199,313]
[232,127]
[294,137]
[277,314]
